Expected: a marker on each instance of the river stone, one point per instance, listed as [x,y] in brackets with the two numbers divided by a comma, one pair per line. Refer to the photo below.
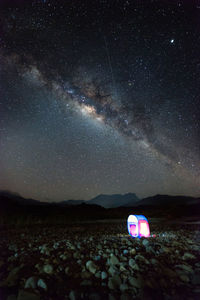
[76,255]
[133,264]
[123,287]
[185,268]
[30,283]
[42,284]
[136,282]
[98,274]
[73,295]
[12,277]
[103,275]
[145,242]
[97,257]
[90,265]
[132,251]
[48,269]
[196,278]
[184,277]
[122,268]
[114,282]
[86,283]
[169,272]
[94,296]
[67,270]
[154,261]
[111,297]
[141,259]
[187,256]
[86,275]
[113,260]
[112,270]
[125,296]
[25,295]
[163,283]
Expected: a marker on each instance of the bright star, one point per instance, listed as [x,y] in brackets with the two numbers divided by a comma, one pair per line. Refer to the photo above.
[172,41]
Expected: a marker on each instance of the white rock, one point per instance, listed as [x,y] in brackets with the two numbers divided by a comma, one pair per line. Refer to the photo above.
[112,270]
[132,251]
[185,268]
[48,269]
[103,275]
[123,287]
[73,295]
[30,283]
[141,258]
[145,242]
[187,256]
[42,284]
[98,274]
[113,260]
[91,266]
[133,264]
[122,268]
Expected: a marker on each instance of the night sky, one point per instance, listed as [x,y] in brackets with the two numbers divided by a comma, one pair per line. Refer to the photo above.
[99,97]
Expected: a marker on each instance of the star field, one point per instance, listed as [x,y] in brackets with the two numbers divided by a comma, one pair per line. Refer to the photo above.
[99,97]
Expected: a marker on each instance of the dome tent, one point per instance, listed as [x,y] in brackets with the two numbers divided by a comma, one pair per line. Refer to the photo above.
[138,226]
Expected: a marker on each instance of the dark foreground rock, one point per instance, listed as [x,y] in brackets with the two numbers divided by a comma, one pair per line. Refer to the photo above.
[99,261]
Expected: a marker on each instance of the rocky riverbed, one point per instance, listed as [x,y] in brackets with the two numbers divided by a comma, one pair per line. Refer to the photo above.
[99,261]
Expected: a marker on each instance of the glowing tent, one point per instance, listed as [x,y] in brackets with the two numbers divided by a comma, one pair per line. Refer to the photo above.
[138,226]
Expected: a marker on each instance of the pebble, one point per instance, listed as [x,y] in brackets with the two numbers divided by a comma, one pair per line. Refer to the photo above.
[90,265]
[196,278]
[185,268]
[12,277]
[154,261]
[145,242]
[136,282]
[132,251]
[42,284]
[133,264]
[141,259]
[188,256]
[114,282]
[112,270]
[48,269]
[113,260]
[73,295]
[104,275]
[31,283]
[184,277]
[121,266]
[86,282]
[25,295]
[123,287]
[86,275]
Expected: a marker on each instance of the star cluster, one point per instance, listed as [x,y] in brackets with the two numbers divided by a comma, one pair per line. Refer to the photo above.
[99,97]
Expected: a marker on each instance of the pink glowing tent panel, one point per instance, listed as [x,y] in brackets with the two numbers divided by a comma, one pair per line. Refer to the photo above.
[138,226]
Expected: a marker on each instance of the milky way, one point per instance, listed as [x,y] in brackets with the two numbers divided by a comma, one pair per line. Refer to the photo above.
[124,83]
